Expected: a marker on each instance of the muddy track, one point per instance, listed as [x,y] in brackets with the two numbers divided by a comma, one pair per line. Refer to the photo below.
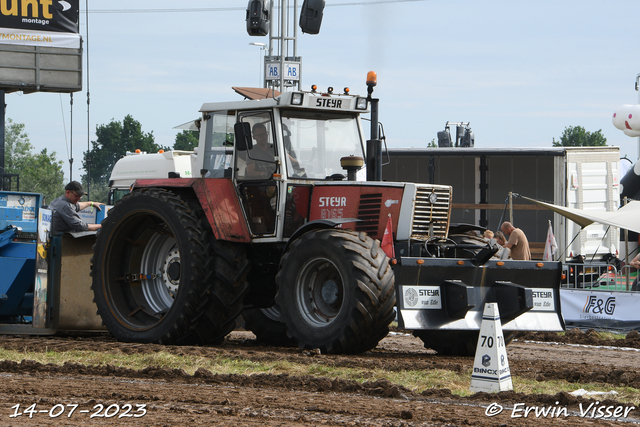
[173,397]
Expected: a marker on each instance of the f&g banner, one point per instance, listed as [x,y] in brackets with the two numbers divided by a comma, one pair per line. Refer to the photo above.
[584,308]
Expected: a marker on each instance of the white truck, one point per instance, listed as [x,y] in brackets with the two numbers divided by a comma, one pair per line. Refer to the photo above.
[164,164]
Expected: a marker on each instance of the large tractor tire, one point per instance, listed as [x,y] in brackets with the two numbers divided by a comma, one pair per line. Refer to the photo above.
[336,291]
[265,323]
[160,277]
[454,343]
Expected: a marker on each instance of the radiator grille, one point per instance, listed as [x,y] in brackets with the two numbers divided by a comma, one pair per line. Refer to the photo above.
[369,213]
[427,216]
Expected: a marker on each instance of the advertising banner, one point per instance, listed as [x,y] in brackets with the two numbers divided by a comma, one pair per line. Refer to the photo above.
[600,309]
[52,23]
[41,293]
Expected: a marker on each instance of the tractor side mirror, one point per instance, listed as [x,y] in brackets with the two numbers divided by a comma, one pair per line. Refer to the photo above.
[244,141]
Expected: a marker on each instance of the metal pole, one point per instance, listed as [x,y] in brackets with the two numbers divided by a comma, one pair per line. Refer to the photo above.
[483,190]
[374,118]
[510,207]
[283,29]
[88,158]
[259,67]
[271,27]
[626,248]
[269,53]
[374,146]
[295,41]
[295,28]
[71,149]
[261,62]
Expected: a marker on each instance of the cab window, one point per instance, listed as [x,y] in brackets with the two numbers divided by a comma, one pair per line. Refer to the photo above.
[259,162]
[218,144]
[316,143]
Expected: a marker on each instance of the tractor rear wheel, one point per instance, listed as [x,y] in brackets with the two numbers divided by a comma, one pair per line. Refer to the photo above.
[336,291]
[159,276]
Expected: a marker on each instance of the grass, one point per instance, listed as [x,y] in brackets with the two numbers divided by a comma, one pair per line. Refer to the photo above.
[416,381]
[608,335]
[605,335]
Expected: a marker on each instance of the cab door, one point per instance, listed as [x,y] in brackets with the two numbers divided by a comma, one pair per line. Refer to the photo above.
[254,169]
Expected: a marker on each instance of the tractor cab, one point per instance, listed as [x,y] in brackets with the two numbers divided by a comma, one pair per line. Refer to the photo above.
[275,149]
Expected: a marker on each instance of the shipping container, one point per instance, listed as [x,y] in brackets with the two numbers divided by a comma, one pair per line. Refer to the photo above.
[577,177]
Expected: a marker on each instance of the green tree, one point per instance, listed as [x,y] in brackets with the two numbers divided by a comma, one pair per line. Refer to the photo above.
[578,137]
[40,172]
[186,140]
[113,141]
[432,144]
[16,146]
[99,191]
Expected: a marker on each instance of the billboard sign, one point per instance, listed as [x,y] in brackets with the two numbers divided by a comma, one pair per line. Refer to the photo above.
[50,23]
[291,71]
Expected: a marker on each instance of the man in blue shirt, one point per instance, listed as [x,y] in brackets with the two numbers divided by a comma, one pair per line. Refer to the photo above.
[65,210]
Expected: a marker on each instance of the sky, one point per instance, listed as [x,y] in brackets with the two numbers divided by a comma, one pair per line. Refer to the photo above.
[519,71]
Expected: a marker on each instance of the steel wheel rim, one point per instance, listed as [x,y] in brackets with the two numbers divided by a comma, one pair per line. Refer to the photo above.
[320,291]
[159,256]
[144,243]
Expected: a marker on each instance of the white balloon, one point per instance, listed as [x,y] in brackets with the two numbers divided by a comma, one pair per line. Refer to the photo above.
[627,119]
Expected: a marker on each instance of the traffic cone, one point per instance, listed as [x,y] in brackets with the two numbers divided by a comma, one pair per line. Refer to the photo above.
[491,371]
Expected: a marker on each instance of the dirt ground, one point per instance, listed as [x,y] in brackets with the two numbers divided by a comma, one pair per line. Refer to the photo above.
[163,397]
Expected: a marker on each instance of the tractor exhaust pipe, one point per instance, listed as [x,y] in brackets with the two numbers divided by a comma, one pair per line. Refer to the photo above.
[374,145]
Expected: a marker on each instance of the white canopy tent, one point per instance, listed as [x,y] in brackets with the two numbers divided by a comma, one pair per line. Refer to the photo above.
[627,217]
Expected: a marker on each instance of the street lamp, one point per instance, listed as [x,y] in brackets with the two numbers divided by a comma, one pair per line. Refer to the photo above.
[263,47]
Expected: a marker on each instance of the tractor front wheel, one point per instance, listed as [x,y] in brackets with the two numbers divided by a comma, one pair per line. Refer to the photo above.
[336,291]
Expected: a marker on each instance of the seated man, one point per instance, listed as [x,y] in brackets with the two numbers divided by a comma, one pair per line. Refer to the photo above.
[261,159]
[260,199]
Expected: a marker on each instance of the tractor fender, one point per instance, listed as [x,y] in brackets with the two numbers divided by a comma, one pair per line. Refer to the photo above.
[316,225]
[218,199]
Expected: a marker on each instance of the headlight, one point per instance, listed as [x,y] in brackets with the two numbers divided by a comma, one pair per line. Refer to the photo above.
[296,98]
[361,104]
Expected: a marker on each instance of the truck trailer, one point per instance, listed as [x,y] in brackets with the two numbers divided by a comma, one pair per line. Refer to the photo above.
[576,177]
